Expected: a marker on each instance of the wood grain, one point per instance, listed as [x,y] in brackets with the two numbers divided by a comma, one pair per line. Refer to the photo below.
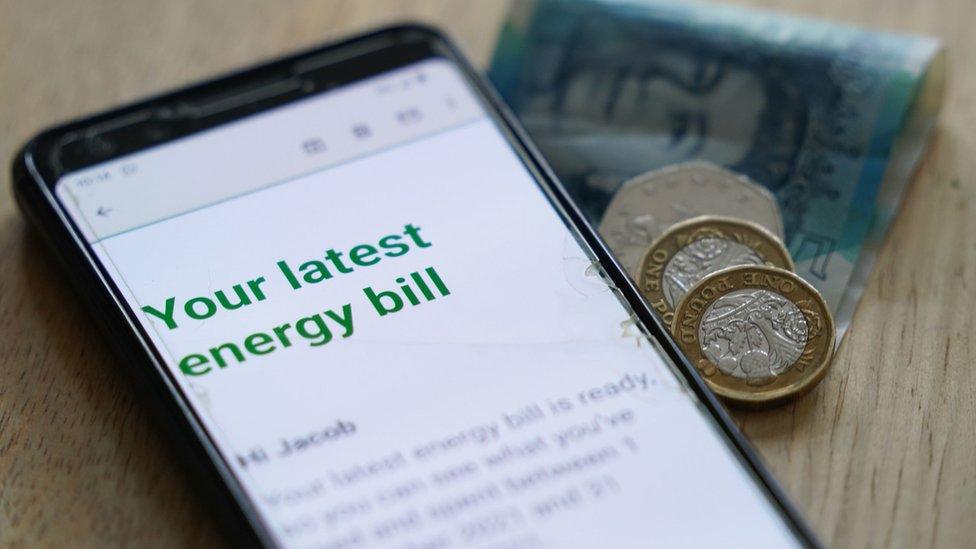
[881,454]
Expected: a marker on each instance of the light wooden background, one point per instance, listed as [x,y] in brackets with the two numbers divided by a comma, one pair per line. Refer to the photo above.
[883,453]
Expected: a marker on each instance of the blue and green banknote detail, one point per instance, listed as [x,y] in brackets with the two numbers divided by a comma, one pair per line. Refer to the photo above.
[831,119]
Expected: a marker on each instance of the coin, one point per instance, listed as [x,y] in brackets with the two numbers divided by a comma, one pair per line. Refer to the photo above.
[691,250]
[645,206]
[758,335]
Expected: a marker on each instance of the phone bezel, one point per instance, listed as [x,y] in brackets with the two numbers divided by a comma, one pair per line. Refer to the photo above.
[47,157]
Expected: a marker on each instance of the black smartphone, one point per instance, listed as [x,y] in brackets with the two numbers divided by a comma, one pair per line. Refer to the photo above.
[371,316]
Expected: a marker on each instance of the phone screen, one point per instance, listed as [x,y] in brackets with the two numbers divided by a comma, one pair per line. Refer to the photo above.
[394,338]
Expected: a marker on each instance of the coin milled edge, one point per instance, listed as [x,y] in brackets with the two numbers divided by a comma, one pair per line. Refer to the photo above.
[758,399]
[655,296]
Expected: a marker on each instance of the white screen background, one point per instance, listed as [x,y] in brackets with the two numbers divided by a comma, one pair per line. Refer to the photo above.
[526,326]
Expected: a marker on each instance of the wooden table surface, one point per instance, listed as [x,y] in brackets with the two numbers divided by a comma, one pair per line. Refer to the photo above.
[883,453]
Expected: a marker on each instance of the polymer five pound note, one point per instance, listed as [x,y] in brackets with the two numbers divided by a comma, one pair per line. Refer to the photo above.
[831,120]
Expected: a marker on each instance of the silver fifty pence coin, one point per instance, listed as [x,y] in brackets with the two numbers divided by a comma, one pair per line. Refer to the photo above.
[647,205]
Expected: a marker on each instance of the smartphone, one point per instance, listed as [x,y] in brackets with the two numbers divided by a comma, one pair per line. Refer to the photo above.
[371,316]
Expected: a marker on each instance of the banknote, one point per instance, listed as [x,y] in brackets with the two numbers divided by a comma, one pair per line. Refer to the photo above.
[832,120]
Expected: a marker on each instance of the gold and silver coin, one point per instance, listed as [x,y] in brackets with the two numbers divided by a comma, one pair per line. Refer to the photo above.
[647,205]
[691,250]
[758,335]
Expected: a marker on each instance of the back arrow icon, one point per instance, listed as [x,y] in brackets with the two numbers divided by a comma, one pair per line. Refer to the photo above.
[103,211]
